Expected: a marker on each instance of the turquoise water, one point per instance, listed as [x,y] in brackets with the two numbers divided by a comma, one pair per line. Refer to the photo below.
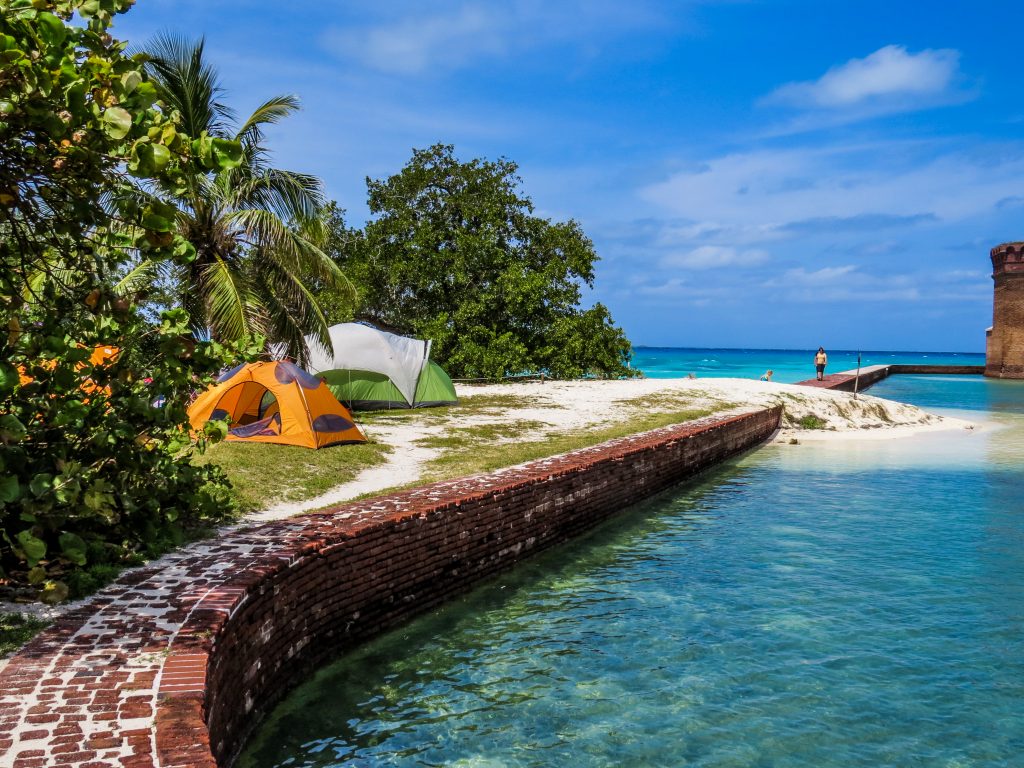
[967,393]
[789,365]
[827,604]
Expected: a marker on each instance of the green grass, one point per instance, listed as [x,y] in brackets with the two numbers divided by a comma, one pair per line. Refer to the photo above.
[881,413]
[467,437]
[810,421]
[263,474]
[16,630]
[471,459]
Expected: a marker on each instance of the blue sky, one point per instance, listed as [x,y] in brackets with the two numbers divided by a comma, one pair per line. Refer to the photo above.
[782,173]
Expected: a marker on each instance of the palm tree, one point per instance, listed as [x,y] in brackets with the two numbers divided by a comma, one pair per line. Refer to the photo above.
[255,228]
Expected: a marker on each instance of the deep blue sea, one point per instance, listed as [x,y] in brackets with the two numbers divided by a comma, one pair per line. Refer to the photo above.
[821,605]
[789,365]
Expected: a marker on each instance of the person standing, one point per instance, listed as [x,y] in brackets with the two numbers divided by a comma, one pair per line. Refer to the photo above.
[820,361]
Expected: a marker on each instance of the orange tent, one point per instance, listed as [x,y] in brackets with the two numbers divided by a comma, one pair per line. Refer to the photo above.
[100,357]
[276,402]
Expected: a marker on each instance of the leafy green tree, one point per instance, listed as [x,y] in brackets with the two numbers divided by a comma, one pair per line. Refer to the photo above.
[456,254]
[341,241]
[92,475]
[256,229]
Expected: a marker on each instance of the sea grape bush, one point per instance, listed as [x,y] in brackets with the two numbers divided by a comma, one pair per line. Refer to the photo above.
[95,466]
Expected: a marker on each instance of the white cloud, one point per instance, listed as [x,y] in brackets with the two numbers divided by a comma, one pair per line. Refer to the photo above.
[890,74]
[412,45]
[823,276]
[714,256]
[767,189]
[454,35]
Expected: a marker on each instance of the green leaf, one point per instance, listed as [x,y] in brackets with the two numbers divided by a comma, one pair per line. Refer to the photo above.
[203,149]
[145,94]
[161,155]
[67,490]
[11,430]
[9,378]
[99,499]
[89,8]
[73,547]
[184,251]
[216,430]
[51,29]
[40,484]
[54,592]
[227,154]
[10,489]
[156,223]
[34,549]
[36,575]
[117,122]
[131,80]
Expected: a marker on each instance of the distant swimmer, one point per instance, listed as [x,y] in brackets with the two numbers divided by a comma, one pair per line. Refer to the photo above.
[690,376]
[767,375]
[820,361]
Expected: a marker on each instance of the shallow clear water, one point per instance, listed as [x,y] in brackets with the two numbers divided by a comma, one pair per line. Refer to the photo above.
[832,604]
[789,365]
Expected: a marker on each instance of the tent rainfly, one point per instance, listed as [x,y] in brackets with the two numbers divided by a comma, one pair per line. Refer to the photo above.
[275,403]
[373,369]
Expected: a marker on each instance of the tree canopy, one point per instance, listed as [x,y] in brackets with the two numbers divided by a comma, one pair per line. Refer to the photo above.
[95,466]
[456,254]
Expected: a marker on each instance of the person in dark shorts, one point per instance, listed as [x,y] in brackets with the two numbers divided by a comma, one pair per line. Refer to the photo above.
[820,361]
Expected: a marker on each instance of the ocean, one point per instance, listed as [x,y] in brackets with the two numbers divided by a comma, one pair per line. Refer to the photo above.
[789,365]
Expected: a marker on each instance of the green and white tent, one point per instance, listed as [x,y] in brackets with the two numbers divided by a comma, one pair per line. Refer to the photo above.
[372,369]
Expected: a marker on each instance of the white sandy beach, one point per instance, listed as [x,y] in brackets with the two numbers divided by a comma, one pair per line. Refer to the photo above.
[563,406]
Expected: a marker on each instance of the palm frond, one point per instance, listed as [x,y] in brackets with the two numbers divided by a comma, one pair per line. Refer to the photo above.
[141,275]
[232,308]
[292,311]
[187,83]
[287,246]
[292,196]
[268,113]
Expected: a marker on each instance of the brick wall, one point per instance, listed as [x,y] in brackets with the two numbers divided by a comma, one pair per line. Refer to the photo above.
[205,645]
[354,587]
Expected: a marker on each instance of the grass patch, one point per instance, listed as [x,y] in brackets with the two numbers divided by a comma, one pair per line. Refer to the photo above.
[661,401]
[264,474]
[474,405]
[484,404]
[17,629]
[810,421]
[464,437]
[463,460]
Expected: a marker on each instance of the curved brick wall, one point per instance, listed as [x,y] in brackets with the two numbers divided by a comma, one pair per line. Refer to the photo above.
[174,665]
